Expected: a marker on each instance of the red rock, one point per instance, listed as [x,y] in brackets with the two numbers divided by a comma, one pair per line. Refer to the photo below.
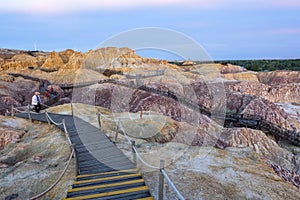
[3,165]
[279,77]
[9,135]
[283,93]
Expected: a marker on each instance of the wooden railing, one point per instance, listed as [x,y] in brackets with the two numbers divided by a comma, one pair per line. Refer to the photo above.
[235,119]
[163,175]
[72,148]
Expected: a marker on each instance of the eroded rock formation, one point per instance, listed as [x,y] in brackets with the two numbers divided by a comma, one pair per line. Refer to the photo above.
[214,88]
[280,93]
[36,153]
[16,93]
[53,62]
[116,58]
[279,77]
[9,135]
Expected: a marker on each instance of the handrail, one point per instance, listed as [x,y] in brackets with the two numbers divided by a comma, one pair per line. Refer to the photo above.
[248,120]
[20,111]
[172,184]
[162,171]
[72,150]
[56,123]
[236,118]
[66,131]
[141,159]
[136,151]
[24,76]
[59,178]
[45,105]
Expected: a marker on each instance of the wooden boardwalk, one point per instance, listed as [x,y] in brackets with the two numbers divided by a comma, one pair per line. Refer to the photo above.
[104,172]
[231,120]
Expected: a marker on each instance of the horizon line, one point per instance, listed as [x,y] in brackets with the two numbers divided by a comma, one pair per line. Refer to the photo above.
[214,60]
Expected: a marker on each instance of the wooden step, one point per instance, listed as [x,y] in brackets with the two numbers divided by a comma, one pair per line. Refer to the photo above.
[111,194]
[146,198]
[97,189]
[107,173]
[106,180]
[106,185]
[112,178]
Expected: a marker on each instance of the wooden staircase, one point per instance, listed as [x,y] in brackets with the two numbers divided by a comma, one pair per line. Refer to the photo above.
[122,184]
[104,172]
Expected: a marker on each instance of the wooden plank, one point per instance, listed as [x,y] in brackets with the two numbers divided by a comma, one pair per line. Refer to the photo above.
[101,151]
[107,178]
[106,185]
[97,170]
[139,183]
[112,157]
[142,188]
[112,164]
[101,144]
[82,153]
[106,173]
[103,168]
[146,198]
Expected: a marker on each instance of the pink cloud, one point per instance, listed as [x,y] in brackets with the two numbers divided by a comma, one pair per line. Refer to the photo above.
[290,3]
[285,31]
[67,6]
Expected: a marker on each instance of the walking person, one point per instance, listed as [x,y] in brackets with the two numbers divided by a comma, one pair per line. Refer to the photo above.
[36,102]
[51,90]
[47,94]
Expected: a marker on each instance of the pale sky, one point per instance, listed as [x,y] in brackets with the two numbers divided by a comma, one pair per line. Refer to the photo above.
[227,29]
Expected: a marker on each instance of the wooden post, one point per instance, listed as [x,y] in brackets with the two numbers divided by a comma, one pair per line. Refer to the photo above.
[99,118]
[72,112]
[257,124]
[117,133]
[29,114]
[141,114]
[12,111]
[133,151]
[161,181]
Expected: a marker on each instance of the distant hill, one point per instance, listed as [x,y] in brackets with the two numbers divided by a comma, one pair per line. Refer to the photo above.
[265,65]
[9,53]
[255,65]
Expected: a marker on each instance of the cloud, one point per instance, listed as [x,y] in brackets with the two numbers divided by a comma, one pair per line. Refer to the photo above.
[290,31]
[69,6]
